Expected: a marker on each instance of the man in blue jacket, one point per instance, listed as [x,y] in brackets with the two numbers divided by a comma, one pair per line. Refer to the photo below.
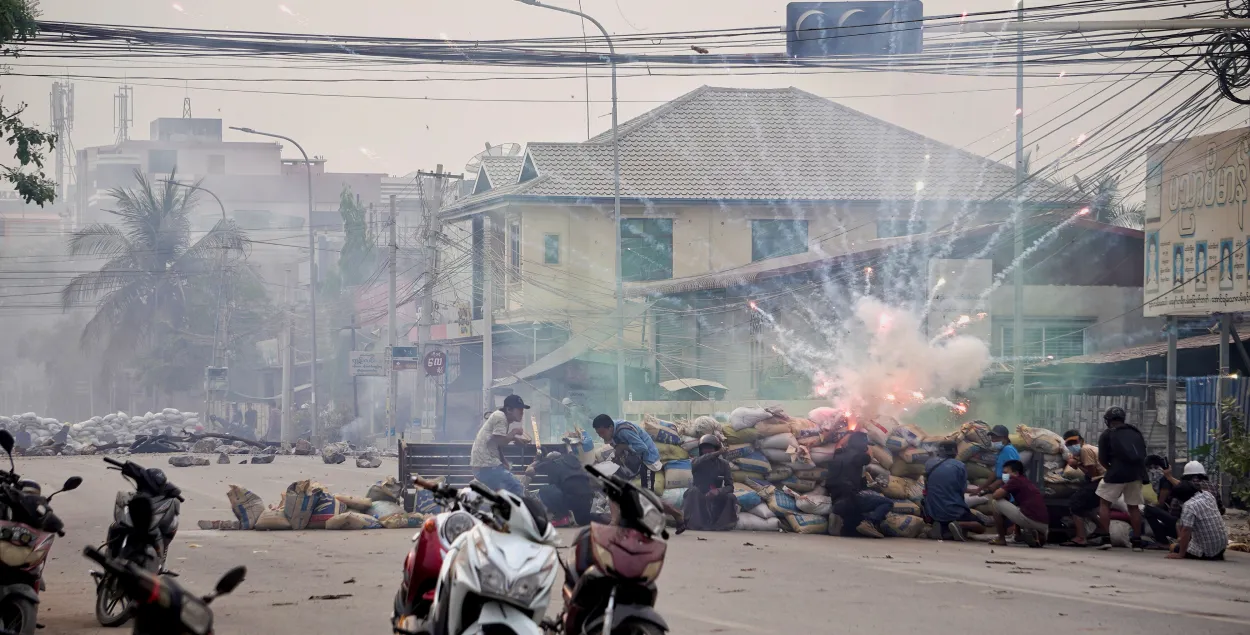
[630,439]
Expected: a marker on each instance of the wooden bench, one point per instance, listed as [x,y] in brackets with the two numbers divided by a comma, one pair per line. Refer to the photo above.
[451,461]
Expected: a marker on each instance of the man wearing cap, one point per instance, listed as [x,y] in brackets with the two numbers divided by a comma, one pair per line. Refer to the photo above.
[1084,503]
[487,460]
[1122,450]
[1000,442]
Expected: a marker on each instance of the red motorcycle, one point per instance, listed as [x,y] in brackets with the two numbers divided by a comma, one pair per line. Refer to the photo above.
[421,566]
[610,587]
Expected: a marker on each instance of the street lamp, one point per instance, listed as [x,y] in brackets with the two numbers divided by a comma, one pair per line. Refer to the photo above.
[224,302]
[312,266]
[616,204]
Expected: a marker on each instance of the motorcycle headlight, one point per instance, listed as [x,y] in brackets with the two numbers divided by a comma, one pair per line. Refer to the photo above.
[455,524]
[526,589]
[652,517]
[494,582]
[196,617]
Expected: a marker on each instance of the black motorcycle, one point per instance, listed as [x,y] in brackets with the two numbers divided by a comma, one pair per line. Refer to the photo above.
[145,544]
[159,605]
[28,528]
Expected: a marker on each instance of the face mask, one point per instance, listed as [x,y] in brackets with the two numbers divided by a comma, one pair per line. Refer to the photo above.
[997,445]
[1075,449]
[1006,477]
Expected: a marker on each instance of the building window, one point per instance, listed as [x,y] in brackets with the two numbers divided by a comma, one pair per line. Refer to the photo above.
[773,238]
[1047,339]
[162,161]
[551,249]
[514,252]
[646,249]
[900,227]
[216,164]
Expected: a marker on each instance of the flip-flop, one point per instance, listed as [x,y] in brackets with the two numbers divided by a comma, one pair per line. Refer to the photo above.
[1070,543]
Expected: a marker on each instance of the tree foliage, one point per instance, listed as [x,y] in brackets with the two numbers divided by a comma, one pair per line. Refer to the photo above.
[1233,455]
[17,24]
[357,255]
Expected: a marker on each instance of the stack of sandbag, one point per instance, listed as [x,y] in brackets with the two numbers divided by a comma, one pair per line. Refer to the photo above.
[100,430]
[1048,447]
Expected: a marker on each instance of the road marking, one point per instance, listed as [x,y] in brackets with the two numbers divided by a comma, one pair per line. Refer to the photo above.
[1119,603]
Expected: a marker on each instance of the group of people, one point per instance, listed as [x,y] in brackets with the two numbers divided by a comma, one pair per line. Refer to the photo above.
[1188,513]
[709,503]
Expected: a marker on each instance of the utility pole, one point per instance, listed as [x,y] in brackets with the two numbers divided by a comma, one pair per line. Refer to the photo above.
[488,317]
[288,361]
[428,275]
[1171,417]
[392,394]
[1017,329]
[1223,391]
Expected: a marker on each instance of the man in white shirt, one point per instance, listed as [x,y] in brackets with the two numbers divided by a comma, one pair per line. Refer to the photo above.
[487,459]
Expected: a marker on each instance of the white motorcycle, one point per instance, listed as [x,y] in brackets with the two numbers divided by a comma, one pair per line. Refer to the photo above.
[498,576]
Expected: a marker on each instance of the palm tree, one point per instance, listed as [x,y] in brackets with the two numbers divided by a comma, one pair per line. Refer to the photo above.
[150,265]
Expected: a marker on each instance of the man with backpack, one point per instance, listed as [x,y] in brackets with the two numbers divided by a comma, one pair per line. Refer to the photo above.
[1122,450]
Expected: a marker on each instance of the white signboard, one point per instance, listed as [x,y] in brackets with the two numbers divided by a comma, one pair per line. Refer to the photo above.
[1197,226]
[957,303]
[368,364]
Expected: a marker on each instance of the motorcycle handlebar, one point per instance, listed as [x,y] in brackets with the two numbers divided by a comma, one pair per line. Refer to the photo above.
[484,492]
[115,462]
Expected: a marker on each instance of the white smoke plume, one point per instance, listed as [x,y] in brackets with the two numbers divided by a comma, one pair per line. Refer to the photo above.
[882,362]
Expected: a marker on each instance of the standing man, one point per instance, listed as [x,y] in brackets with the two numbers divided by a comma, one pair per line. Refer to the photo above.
[854,506]
[634,447]
[487,460]
[1122,450]
[249,421]
[946,482]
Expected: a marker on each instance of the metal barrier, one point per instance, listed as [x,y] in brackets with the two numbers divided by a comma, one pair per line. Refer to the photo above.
[451,461]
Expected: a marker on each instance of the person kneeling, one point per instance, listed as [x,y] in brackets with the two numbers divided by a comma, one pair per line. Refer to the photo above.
[1028,513]
[709,504]
[1203,535]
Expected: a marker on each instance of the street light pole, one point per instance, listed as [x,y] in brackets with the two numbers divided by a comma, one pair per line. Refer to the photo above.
[616,205]
[312,269]
[223,312]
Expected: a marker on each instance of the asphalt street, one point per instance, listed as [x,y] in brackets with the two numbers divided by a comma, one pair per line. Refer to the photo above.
[712,582]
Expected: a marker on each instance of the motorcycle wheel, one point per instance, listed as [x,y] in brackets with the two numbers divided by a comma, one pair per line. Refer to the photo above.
[637,627]
[111,607]
[17,615]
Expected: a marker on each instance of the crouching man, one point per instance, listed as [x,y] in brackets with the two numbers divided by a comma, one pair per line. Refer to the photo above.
[1028,514]
[568,490]
[709,504]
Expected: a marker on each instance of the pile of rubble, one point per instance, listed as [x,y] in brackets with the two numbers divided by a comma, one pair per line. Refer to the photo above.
[309,505]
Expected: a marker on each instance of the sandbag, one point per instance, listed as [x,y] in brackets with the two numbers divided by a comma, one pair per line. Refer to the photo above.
[741,477]
[900,526]
[246,505]
[968,451]
[783,503]
[403,521]
[325,507]
[661,431]
[977,471]
[1026,457]
[272,520]
[748,522]
[878,429]
[658,483]
[671,452]
[779,473]
[976,433]
[699,427]
[882,456]
[907,508]
[677,474]
[821,454]
[1041,439]
[811,474]
[805,523]
[1075,474]
[762,511]
[772,427]
[878,474]
[382,509]
[907,470]
[801,428]
[776,456]
[904,436]
[747,497]
[358,503]
[298,503]
[915,455]
[742,418]
[779,441]
[825,416]
[800,485]
[756,483]
[389,490]
[352,520]
[753,462]
[900,488]
[739,437]
[737,451]
[811,504]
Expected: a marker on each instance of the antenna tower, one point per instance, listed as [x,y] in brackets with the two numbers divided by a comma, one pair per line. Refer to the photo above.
[123,112]
[62,115]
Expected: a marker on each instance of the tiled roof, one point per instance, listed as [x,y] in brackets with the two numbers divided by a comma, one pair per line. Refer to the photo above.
[768,145]
[502,170]
[1136,352]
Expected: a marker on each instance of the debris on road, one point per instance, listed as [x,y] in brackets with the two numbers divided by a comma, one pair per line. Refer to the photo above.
[334,596]
[262,459]
[223,459]
[186,460]
[309,505]
[368,461]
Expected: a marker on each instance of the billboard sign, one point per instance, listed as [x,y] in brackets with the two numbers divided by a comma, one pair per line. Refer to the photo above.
[405,357]
[1197,227]
[367,364]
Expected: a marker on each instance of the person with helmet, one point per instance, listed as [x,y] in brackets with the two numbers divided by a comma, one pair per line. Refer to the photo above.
[709,504]
[1193,472]
[1203,534]
[1122,450]
[568,490]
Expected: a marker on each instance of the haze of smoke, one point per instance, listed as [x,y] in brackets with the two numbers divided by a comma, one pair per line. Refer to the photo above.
[882,351]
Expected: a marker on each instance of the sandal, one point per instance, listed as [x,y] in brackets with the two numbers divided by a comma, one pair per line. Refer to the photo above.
[998,542]
[1073,543]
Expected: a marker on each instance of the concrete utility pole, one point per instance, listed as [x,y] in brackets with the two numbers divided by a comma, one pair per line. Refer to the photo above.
[428,275]
[1017,329]
[1223,390]
[287,349]
[488,317]
[1171,363]
[392,393]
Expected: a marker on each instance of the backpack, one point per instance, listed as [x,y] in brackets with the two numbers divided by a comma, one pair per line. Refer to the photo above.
[1128,445]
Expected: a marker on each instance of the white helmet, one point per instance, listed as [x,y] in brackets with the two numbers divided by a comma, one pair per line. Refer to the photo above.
[1193,468]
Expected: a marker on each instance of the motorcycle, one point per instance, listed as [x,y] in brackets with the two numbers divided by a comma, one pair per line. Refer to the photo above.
[145,544]
[160,605]
[610,585]
[498,575]
[28,528]
[430,546]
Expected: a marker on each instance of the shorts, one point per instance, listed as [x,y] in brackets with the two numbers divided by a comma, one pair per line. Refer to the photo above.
[1085,502]
[1131,492]
[1009,511]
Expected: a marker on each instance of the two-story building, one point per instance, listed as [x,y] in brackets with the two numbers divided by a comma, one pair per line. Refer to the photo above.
[718,181]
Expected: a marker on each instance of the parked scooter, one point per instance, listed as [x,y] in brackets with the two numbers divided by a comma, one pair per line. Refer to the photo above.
[27,529]
[148,548]
[609,587]
[159,605]
[498,576]
[430,545]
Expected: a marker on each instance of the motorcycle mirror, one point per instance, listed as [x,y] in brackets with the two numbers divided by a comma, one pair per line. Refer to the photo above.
[71,483]
[231,580]
[6,441]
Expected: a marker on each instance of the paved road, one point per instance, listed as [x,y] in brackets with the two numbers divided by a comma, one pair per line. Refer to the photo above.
[713,583]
